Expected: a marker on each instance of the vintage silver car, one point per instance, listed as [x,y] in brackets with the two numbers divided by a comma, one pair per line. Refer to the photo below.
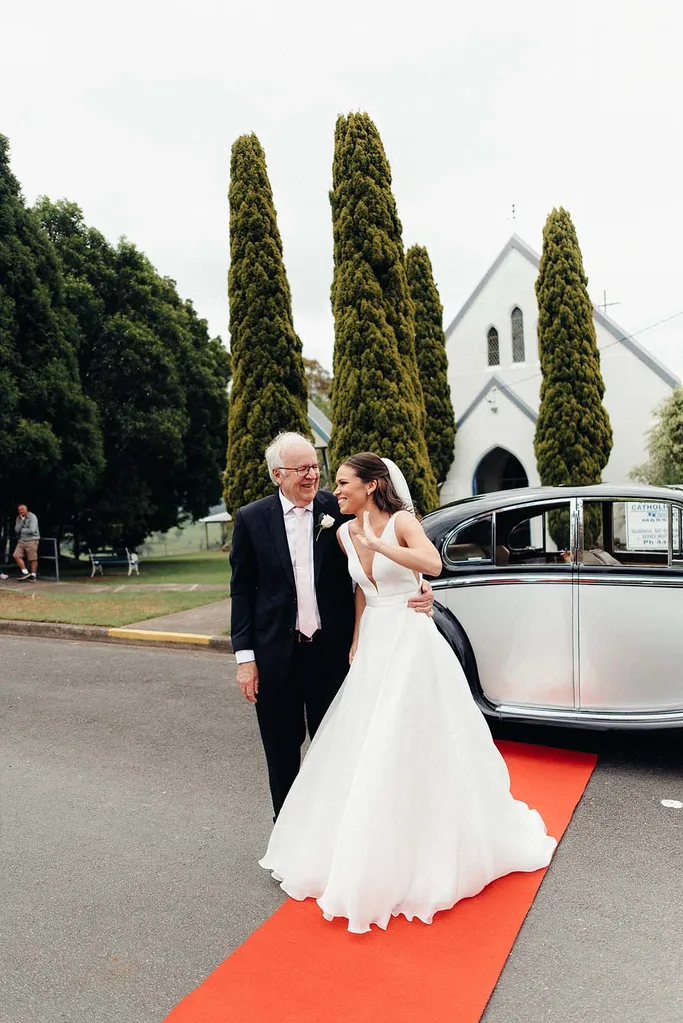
[565,605]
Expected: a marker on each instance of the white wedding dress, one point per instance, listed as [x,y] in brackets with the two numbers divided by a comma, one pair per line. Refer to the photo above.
[403,802]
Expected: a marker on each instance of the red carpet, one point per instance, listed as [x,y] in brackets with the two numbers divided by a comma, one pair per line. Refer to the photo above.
[298,968]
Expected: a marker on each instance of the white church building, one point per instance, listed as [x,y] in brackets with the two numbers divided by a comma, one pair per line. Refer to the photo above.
[495,379]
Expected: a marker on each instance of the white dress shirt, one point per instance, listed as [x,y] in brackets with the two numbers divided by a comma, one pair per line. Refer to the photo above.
[290,528]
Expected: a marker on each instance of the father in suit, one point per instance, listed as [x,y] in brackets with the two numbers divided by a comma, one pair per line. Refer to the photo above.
[293,608]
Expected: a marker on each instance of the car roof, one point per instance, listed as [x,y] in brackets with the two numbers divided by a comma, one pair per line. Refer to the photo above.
[480,504]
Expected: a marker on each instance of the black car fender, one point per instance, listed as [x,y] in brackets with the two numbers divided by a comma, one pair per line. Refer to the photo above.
[456,637]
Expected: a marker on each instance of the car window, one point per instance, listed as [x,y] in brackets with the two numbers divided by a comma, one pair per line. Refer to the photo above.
[640,531]
[471,542]
[534,535]
[598,549]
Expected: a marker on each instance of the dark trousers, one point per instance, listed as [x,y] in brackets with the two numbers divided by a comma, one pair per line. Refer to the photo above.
[285,710]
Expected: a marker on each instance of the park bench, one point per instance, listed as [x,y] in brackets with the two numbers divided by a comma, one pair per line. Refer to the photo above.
[98,559]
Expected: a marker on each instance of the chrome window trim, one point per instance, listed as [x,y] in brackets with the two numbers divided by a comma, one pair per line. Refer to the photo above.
[677,561]
[494,536]
[571,501]
[440,583]
[576,545]
[448,539]
[555,574]
[587,579]
[670,506]
[606,575]
[561,573]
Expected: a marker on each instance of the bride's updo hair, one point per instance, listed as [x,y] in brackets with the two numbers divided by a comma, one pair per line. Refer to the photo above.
[370,468]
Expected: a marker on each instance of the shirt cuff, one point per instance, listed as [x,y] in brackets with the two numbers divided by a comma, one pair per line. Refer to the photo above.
[242,656]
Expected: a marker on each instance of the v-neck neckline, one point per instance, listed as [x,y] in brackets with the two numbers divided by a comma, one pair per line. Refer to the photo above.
[370,578]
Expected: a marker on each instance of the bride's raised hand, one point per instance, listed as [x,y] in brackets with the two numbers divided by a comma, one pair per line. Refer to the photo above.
[368,537]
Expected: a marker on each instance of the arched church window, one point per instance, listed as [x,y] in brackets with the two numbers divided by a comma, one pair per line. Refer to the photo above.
[494,347]
[517,335]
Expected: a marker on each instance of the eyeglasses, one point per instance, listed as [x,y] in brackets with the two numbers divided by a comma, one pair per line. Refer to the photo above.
[302,470]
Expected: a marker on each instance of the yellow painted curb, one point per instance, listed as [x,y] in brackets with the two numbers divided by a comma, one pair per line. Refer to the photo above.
[167,637]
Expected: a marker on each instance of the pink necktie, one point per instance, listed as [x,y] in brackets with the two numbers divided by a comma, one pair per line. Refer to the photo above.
[302,575]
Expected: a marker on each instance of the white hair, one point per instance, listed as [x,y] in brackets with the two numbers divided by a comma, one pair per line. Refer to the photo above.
[276,450]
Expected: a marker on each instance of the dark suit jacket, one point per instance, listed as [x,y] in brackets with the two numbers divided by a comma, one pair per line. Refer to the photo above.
[264,593]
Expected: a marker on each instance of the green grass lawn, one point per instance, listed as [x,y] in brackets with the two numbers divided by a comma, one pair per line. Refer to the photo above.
[203,567]
[112,609]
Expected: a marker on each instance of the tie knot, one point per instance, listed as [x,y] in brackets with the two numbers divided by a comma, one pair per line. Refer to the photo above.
[300,511]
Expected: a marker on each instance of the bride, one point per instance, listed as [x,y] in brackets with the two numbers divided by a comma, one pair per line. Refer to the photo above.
[403,801]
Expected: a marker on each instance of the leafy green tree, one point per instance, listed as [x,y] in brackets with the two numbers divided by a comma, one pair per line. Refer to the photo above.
[377,397]
[573,433]
[664,467]
[205,367]
[159,382]
[269,383]
[50,439]
[432,361]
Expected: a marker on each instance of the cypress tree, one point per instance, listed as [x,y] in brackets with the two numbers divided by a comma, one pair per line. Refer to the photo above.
[573,433]
[432,361]
[269,383]
[205,365]
[377,397]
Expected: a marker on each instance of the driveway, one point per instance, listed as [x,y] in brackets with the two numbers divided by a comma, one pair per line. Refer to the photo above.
[135,806]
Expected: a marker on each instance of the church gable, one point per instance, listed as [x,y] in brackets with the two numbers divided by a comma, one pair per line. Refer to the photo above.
[494,387]
[501,317]
[515,244]
[495,380]
[496,328]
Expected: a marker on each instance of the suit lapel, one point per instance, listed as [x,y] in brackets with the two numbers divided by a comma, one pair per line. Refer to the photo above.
[275,521]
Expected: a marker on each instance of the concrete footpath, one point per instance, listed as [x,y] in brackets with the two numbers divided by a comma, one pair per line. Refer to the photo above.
[207,620]
[198,627]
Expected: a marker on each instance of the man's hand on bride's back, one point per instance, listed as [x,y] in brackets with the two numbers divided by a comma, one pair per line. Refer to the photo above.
[247,680]
[424,601]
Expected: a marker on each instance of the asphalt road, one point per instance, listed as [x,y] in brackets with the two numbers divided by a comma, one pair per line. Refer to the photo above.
[134,805]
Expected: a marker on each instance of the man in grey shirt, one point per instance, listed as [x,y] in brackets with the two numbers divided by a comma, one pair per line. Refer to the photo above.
[28,535]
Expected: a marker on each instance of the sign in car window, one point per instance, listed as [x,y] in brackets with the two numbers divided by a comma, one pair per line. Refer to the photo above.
[647,526]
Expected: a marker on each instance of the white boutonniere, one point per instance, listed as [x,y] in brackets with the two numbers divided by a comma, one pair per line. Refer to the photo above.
[324,522]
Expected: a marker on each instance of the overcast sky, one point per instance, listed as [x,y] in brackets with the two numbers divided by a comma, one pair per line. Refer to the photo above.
[130,109]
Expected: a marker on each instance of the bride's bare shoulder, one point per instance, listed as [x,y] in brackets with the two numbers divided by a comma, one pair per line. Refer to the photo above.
[406,520]
[407,526]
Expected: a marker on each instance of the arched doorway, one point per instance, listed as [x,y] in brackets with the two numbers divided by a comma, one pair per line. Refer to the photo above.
[499,470]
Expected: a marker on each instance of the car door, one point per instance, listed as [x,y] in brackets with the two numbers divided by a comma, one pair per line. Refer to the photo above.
[630,606]
[510,584]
